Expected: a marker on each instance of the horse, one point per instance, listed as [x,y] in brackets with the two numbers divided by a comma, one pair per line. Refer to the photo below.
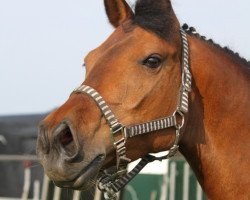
[149,68]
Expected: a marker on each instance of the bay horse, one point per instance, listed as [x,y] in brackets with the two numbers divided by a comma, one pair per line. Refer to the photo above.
[150,68]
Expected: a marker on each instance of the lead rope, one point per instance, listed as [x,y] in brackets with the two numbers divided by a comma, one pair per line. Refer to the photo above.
[112,182]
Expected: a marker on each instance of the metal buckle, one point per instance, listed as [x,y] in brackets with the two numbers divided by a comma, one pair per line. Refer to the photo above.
[185,79]
[109,194]
[121,153]
[173,151]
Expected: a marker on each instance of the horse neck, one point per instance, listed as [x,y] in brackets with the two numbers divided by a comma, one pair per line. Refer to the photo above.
[216,138]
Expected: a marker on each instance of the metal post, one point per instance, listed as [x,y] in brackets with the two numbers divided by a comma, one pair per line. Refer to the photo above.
[36,191]
[57,193]
[172,181]
[76,195]
[98,194]
[198,192]
[45,187]
[186,175]
[26,186]
[153,195]
[165,183]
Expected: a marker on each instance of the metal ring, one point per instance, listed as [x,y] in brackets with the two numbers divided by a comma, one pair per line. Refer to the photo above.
[178,112]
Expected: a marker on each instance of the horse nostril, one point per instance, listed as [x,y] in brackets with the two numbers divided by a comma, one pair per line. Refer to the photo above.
[66,137]
[67,141]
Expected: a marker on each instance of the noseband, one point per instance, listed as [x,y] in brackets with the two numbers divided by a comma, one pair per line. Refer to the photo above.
[113,180]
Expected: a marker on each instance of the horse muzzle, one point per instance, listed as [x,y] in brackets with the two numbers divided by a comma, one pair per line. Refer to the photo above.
[64,159]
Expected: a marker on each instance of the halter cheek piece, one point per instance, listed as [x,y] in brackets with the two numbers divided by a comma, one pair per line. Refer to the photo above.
[114,179]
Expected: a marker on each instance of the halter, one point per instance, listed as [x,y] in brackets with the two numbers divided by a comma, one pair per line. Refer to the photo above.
[115,178]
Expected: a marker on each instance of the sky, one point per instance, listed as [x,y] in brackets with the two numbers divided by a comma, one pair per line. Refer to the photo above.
[43,43]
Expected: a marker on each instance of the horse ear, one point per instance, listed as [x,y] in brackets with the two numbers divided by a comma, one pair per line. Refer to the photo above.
[118,11]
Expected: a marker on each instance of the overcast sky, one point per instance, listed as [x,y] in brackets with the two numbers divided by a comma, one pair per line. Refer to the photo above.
[43,42]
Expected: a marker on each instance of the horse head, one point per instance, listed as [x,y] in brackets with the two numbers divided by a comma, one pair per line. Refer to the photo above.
[137,71]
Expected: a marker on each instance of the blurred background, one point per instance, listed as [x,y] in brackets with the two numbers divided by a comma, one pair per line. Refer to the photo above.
[43,43]
[42,46]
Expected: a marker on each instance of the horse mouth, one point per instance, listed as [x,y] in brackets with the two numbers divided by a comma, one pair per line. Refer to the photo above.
[86,177]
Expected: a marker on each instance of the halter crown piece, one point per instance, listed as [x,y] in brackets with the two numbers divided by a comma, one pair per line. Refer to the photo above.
[114,179]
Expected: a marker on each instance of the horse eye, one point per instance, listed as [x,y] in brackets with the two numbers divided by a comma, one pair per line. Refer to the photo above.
[152,61]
